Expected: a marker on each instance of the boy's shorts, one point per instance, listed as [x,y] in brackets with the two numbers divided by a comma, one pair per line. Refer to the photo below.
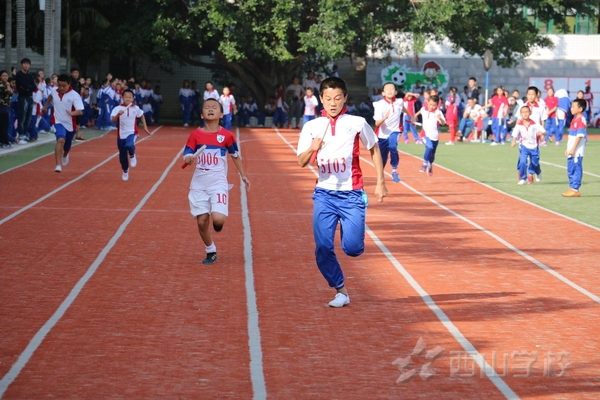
[62,133]
[215,199]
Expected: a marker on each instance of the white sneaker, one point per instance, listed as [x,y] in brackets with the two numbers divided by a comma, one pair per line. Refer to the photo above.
[494,144]
[23,141]
[65,160]
[58,168]
[538,177]
[133,161]
[186,125]
[450,143]
[125,176]
[522,182]
[340,300]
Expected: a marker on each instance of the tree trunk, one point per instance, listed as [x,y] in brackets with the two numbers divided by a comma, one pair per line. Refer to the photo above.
[259,76]
[49,37]
[21,33]
[8,37]
[57,36]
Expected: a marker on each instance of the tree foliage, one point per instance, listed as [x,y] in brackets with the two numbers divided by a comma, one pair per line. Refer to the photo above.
[266,41]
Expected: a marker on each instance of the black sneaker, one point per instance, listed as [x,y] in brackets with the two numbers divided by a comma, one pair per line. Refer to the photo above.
[210,258]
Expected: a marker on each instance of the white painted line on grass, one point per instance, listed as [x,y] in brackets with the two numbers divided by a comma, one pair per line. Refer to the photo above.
[37,340]
[478,358]
[256,365]
[504,193]
[52,193]
[563,167]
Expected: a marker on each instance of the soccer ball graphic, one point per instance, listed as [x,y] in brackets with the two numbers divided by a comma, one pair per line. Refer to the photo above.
[399,78]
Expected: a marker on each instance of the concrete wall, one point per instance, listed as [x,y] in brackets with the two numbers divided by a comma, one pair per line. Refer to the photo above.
[513,78]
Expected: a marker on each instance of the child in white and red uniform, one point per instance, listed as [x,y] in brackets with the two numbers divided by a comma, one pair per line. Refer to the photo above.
[127,115]
[528,133]
[67,105]
[339,197]
[432,117]
[209,189]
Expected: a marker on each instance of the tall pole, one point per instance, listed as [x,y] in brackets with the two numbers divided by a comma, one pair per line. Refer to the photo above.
[49,37]
[487,78]
[8,38]
[57,35]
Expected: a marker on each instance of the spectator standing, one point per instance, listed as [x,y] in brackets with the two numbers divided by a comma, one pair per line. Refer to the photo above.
[5,95]
[25,87]
[588,96]
[294,94]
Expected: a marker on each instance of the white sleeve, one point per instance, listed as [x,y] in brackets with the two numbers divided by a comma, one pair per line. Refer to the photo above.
[377,111]
[306,137]
[77,103]
[367,136]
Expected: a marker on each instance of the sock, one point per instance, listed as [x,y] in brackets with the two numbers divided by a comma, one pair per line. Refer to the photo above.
[212,248]
[394,170]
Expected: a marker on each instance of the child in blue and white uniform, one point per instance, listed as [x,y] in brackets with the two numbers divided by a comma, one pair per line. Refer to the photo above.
[310,105]
[432,117]
[529,134]
[576,147]
[67,105]
[229,107]
[339,197]
[126,115]
[250,109]
[564,106]
[186,98]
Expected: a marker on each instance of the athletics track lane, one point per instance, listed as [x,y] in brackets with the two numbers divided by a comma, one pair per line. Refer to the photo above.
[499,300]
[308,348]
[152,322]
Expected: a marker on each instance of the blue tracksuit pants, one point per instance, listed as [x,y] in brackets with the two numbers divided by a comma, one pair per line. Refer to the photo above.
[349,210]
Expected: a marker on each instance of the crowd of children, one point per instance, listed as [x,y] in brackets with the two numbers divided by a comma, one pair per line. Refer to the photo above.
[30,91]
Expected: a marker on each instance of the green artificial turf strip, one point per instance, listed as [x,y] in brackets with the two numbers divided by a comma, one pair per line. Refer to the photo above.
[496,167]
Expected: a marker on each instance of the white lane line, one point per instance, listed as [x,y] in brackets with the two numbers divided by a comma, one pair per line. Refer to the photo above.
[563,167]
[441,315]
[256,365]
[504,242]
[38,338]
[52,193]
[445,320]
[504,193]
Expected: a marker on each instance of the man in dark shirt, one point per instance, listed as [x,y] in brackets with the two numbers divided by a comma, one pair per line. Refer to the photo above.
[25,88]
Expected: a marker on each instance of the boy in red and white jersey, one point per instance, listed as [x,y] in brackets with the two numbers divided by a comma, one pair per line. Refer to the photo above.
[209,189]
[528,133]
[67,105]
[339,197]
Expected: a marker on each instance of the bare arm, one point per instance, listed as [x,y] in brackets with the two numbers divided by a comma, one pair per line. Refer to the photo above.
[380,189]
[240,167]
[144,125]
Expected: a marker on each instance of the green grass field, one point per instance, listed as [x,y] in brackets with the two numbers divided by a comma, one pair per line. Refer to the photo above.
[496,167]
